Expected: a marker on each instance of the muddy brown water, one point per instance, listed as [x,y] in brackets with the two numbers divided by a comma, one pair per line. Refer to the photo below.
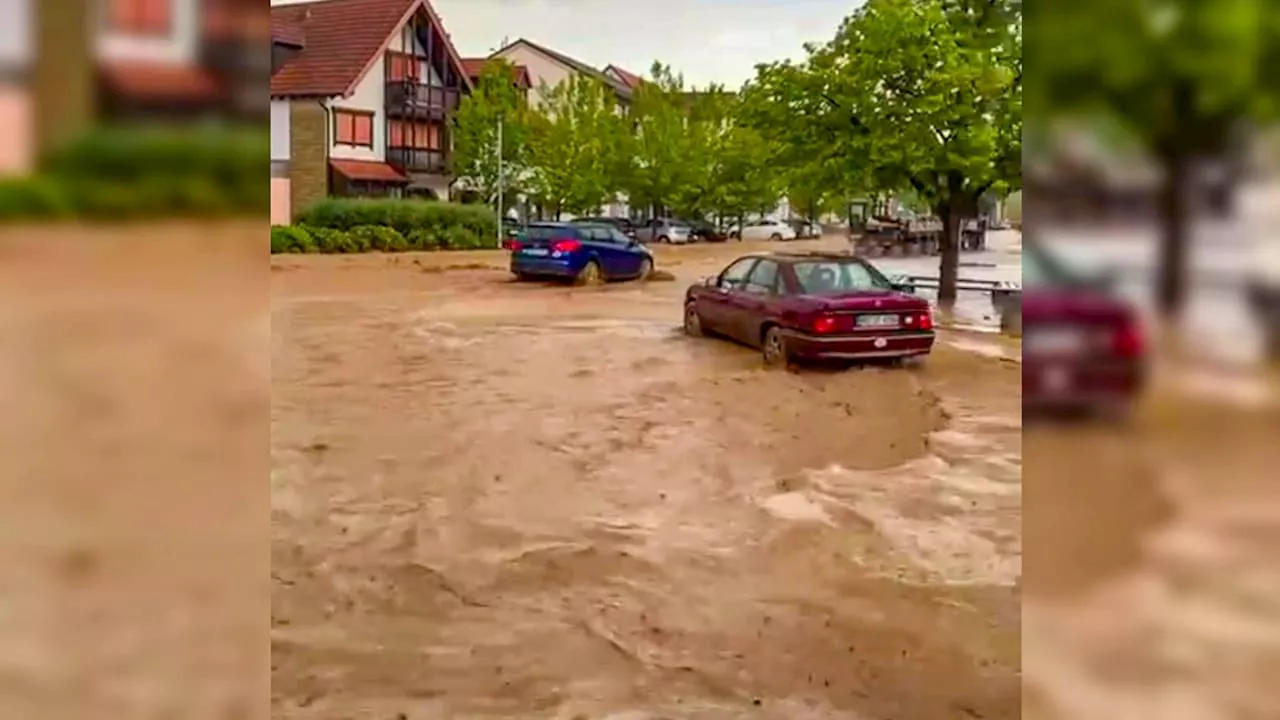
[500,500]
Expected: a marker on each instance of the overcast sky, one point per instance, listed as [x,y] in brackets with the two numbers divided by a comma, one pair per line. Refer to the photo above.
[708,40]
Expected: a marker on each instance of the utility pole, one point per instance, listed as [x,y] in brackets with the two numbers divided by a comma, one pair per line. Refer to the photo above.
[501,181]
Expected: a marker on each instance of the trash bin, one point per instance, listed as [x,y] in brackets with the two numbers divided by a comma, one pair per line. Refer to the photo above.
[1008,306]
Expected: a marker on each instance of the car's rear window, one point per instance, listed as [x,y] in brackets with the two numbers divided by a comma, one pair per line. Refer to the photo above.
[831,277]
[544,232]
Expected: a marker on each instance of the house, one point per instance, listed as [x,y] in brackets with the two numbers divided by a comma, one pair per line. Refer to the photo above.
[475,65]
[625,77]
[362,92]
[549,68]
[172,59]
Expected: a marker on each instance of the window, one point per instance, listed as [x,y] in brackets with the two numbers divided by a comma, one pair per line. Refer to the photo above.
[142,17]
[763,279]
[417,135]
[832,277]
[736,274]
[403,66]
[352,127]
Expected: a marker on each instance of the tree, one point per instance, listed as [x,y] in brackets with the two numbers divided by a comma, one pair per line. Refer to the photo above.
[495,99]
[573,153]
[663,163]
[934,95]
[746,178]
[708,116]
[1180,76]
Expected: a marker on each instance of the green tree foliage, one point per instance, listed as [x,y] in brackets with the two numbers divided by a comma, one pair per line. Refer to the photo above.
[1179,76]
[577,135]
[496,98]
[663,163]
[923,94]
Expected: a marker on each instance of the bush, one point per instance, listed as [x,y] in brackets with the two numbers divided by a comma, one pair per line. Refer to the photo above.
[35,198]
[381,238]
[141,172]
[406,216]
[425,239]
[461,238]
[329,240]
[291,239]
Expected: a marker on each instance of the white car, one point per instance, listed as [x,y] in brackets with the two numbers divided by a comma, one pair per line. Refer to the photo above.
[765,230]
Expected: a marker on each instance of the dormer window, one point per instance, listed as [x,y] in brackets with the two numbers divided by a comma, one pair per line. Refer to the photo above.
[140,17]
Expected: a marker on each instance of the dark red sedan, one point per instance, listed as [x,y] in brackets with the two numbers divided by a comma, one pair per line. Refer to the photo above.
[801,306]
[1083,348]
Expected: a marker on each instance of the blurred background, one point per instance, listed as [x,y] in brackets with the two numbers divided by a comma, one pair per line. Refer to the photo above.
[134,171]
[1151,505]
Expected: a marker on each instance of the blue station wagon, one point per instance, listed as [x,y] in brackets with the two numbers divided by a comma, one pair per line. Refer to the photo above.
[584,253]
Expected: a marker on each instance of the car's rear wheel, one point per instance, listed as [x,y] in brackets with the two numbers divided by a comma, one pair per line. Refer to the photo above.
[692,320]
[590,274]
[664,239]
[774,348]
[646,269]
[775,237]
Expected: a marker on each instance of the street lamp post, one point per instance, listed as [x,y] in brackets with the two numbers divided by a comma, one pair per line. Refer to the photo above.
[501,181]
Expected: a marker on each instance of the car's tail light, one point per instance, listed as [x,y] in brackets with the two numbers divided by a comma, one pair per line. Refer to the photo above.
[513,245]
[926,320]
[564,246]
[824,324]
[1128,342]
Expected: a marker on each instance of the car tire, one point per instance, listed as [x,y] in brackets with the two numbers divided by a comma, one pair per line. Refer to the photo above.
[646,269]
[590,274]
[664,239]
[773,348]
[523,277]
[775,237]
[692,321]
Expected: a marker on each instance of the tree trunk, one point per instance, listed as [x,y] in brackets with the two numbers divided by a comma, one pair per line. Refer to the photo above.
[949,258]
[1173,221]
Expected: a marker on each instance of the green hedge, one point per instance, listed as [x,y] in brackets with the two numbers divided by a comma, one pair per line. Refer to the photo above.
[424,224]
[144,172]
[366,238]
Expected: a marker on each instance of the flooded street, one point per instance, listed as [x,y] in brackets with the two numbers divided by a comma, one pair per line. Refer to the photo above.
[508,501]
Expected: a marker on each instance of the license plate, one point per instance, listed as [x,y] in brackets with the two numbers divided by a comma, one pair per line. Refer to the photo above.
[878,321]
[1054,341]
[535,251]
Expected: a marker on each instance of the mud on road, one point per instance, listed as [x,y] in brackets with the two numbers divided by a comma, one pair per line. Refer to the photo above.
[498,500]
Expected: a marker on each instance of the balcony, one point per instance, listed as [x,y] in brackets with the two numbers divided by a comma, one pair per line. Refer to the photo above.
[416,160]
[405,98]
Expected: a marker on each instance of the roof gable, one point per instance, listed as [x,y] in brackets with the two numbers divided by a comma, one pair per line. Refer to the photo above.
[341,40]
[571,64]
[630,79]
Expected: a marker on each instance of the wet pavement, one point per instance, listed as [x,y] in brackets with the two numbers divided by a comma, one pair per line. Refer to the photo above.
[513,501]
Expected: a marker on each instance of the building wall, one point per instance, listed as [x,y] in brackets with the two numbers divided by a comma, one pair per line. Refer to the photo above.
[542,69]
[308,153]
[182,45]
[281,201]
[17,142]
[369,96]
[279,130]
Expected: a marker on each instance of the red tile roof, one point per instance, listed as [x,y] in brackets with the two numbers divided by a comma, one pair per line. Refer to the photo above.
[161,80]
[368,170]
[343,38]
[474,65]
[287,30]
[632,80]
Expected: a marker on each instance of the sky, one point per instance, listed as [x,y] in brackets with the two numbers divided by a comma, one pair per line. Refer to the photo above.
[707,40]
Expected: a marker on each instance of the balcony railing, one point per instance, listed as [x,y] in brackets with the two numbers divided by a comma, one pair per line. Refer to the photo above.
[418,160]
[413,96]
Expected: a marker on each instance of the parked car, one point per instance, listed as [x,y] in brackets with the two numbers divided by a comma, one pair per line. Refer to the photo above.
[804,229]
[624,225]
[1083,348]
[511,229]
[702,231]
[797,306]
[764,230]
[664,230]
[584,253]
